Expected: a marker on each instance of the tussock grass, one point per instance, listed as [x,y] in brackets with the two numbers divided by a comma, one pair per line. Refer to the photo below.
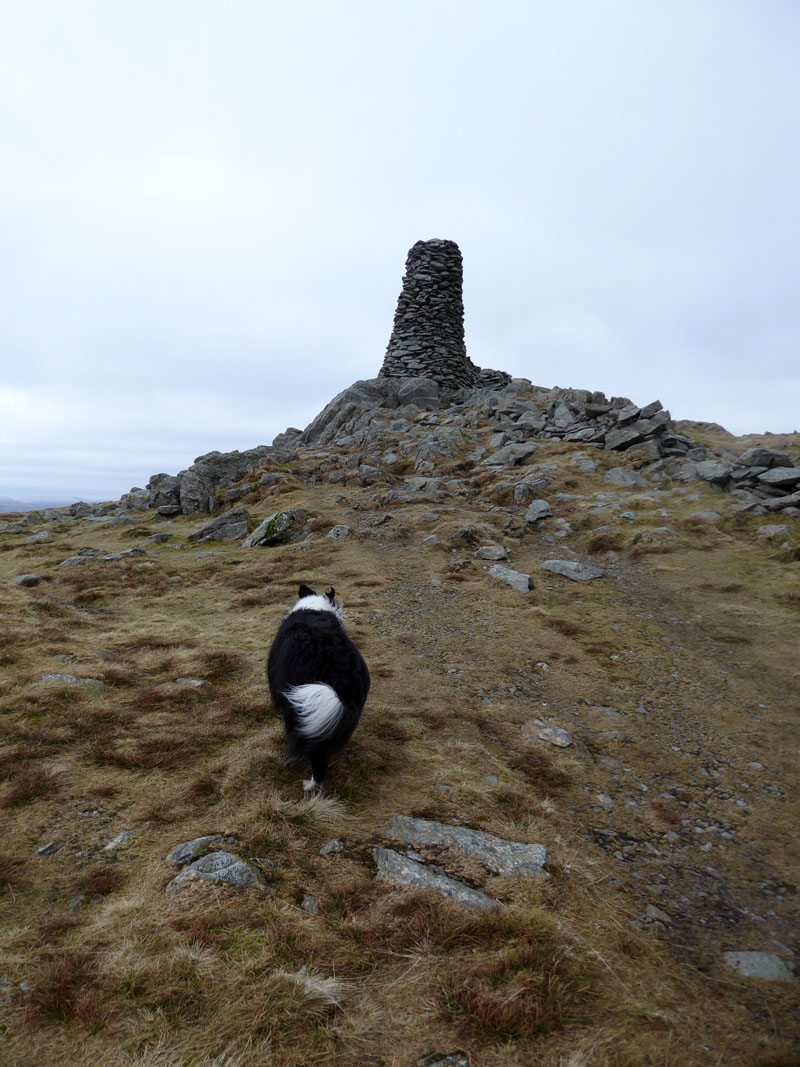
[561,975]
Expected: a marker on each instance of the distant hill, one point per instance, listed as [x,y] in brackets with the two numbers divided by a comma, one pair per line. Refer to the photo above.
[8,503]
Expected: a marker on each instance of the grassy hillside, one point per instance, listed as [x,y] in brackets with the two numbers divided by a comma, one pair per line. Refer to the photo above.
[670,822]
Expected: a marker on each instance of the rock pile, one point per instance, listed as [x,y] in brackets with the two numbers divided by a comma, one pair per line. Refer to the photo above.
[428,335]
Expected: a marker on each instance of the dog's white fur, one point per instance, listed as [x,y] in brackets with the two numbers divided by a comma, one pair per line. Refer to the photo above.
[317,705]
[317,603]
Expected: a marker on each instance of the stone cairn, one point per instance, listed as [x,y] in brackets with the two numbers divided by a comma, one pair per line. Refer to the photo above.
[428,336]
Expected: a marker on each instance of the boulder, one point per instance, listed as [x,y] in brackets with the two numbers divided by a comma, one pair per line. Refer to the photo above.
[280,528]
[230,526]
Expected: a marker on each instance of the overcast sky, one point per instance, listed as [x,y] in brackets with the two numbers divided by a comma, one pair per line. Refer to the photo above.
[205,210]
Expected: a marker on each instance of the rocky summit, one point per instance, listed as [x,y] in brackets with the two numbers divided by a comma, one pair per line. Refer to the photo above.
[565,829]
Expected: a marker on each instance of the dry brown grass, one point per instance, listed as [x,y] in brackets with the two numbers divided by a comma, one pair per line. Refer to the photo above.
[699,636]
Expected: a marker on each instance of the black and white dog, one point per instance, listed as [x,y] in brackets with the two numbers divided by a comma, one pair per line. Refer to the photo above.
[318,680]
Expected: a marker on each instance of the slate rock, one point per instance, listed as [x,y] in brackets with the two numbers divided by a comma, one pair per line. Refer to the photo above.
[764,457]
[539,509]
[13,528]
[91,685]
[128,553]
[340,532]
[280,528]
[782,477]
[492,552]
[331,847]
[523,583]
[120,839]
[554,735]
[783,503]
[495,853]
[618,440]
[444,1059]
[759,965]
[219,867]
[402,871]
[714,471]
[188,851]
[510,455]
[577,572]
[230,526]
[622,476]
[769,532]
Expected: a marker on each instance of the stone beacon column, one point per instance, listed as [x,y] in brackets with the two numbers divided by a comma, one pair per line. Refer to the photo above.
[428,336]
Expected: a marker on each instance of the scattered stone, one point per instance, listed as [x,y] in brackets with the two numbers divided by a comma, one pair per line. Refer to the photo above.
[492,552]
[91,685]
[128,553]
[759,965]
[400,870]
[332,846]
[27,581]
[13,528]
[431,539]
[555,735]
[706,516]
[310,904]
[499,855]
[194,683]
[539,509]
[75,561]
[444,1059]
[576,572]
[219,867]
[523,583]
[768,532]
[156,539]
[48,849]
[188,851]
[339,533]
[42,535]
[120,839]
[654,914]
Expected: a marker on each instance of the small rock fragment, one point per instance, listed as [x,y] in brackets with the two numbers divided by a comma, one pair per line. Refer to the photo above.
[759,965]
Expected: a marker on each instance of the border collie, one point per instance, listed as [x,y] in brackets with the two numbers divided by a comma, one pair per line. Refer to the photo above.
[318,680]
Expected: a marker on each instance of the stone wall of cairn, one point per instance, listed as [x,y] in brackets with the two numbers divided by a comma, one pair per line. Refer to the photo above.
[428,336]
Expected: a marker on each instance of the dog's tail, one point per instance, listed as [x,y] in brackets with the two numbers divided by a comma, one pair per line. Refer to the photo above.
[319,709]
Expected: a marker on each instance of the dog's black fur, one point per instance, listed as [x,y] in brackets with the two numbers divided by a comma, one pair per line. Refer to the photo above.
[313,651]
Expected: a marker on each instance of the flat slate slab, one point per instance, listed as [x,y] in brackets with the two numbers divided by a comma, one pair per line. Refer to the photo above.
[499,855]
[567,568]
[400,870]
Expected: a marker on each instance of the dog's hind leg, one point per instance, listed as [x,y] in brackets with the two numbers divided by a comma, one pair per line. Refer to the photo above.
[319,771]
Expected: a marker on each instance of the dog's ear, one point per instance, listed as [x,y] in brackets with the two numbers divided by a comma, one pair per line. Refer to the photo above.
[332,595]
[305,591]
